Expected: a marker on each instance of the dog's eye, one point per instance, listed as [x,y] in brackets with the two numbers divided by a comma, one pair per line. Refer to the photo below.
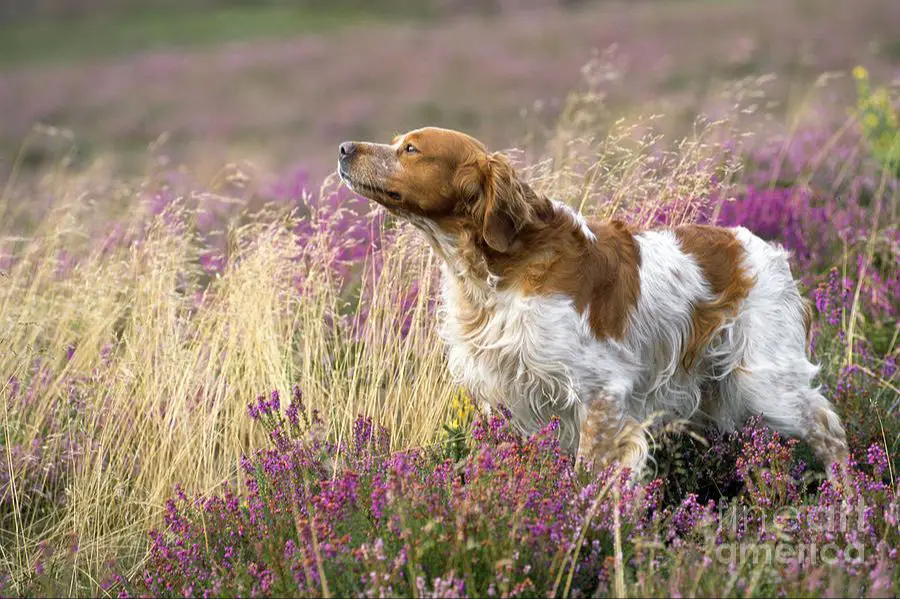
[411,149]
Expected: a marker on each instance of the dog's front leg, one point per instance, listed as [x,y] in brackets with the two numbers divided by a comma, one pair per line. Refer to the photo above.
[607,435]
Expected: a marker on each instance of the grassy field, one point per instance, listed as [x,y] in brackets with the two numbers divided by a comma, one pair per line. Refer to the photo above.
[224,378]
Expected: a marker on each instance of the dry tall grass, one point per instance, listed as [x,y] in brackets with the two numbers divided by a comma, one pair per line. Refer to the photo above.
[165,377]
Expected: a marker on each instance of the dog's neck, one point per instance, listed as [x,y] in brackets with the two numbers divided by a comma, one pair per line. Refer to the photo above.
[462,260]
[480,272]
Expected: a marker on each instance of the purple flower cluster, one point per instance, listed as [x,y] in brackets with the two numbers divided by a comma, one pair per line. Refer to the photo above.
[264,407]
[765,467]
[37,470]
[319,517]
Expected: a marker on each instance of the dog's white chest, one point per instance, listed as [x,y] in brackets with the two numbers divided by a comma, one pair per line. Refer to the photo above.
[536,355]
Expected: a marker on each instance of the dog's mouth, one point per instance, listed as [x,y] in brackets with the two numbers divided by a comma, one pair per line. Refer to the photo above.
[367,189]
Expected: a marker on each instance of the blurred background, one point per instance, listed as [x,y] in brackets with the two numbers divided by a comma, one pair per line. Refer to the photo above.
[281,83]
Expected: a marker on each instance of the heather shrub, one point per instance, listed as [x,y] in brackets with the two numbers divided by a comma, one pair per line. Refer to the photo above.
[512,518]
[326,517]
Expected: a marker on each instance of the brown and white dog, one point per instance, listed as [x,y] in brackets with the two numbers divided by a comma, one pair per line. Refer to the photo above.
[552,315]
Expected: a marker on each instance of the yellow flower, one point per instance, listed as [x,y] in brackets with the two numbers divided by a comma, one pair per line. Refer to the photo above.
[871,120]
[461,409]
[860,72]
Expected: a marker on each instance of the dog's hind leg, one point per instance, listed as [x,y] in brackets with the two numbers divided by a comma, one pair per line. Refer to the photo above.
[783,396]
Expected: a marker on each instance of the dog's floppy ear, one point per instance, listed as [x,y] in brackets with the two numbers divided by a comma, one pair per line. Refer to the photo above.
[502,204]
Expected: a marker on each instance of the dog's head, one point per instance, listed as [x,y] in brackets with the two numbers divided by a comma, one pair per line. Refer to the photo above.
[445,177]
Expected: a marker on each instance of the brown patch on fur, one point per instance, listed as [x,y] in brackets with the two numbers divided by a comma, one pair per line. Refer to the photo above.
[600,277]
[517,235]
[539,250]
[719,255]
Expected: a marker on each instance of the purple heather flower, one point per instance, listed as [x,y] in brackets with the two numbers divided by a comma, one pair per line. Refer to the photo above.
[877,458]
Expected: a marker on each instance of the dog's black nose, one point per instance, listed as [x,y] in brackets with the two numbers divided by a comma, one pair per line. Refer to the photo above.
[347,148]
